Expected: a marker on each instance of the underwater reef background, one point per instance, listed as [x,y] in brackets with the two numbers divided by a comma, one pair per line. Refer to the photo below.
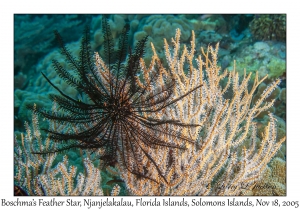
[249,42]
[238,35]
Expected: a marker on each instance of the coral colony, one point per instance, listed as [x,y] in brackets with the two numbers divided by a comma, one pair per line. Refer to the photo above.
[173,123]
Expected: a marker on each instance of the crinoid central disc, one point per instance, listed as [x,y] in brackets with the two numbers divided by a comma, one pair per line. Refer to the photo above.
[118,110]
